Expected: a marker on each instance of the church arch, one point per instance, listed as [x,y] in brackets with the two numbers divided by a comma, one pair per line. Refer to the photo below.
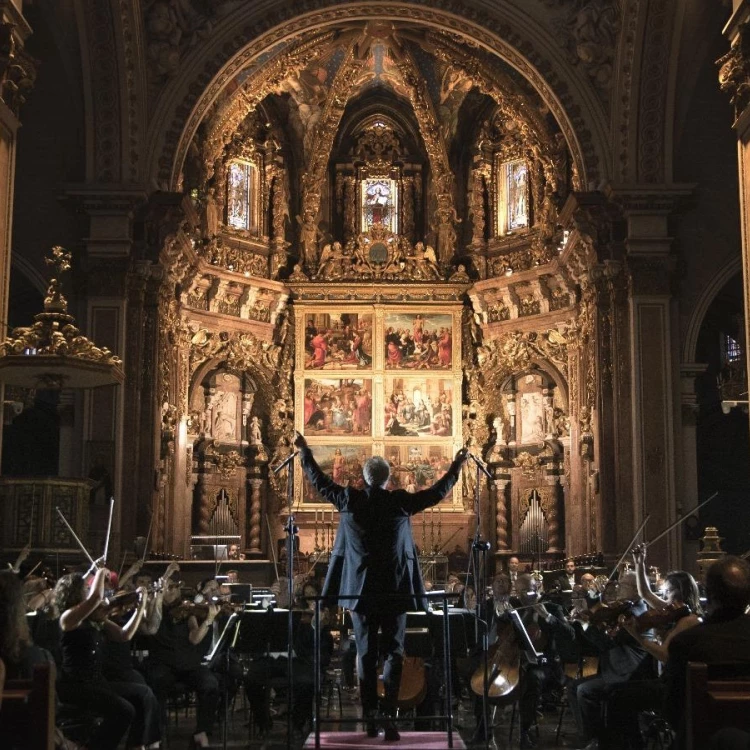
[571,101]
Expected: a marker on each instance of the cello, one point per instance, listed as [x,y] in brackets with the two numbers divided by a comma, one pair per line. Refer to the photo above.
[503,666]
[413,687]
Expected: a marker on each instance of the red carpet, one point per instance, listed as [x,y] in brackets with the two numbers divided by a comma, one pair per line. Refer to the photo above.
[409,741]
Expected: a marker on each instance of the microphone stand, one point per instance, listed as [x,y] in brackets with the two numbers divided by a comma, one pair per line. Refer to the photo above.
[479,550]
[290,530]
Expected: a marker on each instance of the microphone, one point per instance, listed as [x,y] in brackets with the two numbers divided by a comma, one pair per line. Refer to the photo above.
[480,464]
[285,462]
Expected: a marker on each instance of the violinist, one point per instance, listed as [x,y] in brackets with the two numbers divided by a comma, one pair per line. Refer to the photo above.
[174,657]
[125,707]
[682,597]
[621,659]
[118,661]
[668,617]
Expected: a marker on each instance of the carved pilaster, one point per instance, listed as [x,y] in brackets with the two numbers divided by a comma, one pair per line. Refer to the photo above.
[254,517]
[499,494]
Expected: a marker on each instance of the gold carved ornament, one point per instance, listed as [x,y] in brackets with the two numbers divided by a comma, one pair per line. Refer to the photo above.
[529,465]
[52,352]
[516,352]
[226,463]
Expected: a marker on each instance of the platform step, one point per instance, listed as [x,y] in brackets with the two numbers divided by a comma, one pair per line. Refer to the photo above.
[408,741]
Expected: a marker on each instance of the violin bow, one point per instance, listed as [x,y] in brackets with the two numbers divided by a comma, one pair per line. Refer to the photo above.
[148,536]
[109,529]
[75,536]
[31,520]
[680,520]
[629,547]
[273,551]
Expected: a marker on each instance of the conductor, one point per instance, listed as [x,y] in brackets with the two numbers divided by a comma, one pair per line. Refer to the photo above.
[373,558]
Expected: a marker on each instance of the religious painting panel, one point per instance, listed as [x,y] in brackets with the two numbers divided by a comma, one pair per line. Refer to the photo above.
[416,467]
[344,463]
[417,341]
[338,341]
[418,406]
[338,406]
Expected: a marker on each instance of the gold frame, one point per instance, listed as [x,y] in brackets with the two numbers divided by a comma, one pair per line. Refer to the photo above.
[379,376]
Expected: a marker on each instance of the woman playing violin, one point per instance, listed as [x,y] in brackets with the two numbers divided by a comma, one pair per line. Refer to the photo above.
[676,613]
[85,627]
[682,602]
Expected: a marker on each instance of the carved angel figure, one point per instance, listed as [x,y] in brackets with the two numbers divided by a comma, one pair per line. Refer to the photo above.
[256,435]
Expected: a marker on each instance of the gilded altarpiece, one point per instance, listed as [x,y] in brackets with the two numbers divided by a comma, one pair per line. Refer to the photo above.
[374,379]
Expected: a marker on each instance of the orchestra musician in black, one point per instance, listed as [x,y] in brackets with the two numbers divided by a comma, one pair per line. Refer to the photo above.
[373,558]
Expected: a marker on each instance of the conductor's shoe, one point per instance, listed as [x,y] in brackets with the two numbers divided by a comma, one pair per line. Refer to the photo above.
[526,741]
[391,733]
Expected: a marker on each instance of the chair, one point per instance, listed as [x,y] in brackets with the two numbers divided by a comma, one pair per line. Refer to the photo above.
[718,696]
[30,706]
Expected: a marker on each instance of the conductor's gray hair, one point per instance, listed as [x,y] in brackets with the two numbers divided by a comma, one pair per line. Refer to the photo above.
[376,471]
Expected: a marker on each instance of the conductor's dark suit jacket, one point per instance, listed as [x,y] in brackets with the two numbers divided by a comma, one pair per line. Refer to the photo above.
[374,553]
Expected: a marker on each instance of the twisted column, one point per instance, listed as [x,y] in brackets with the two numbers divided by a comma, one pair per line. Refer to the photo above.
[498,496]
[254,523]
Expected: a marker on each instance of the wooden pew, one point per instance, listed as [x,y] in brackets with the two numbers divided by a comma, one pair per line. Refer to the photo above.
[718,696]
[31,704]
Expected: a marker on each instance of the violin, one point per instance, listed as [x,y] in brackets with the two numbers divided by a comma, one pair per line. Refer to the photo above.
[608,615]
[200,611]
[659,619]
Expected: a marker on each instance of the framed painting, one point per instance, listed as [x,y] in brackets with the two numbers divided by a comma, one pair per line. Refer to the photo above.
[418,341]
[415,467]
[341,462]
[338,341]
[418,406]
[337,406]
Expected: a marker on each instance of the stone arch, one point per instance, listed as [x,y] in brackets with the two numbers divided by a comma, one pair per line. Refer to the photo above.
[185,101]
[715,285]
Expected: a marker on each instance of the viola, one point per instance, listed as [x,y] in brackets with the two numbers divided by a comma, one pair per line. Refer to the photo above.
[659,619]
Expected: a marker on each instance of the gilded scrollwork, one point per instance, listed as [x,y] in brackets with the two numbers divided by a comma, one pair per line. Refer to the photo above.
[227,462]
[734,70]
[516,351]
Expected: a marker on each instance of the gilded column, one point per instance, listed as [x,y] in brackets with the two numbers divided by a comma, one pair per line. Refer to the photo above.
[255,517]
[17,75]
[734,80]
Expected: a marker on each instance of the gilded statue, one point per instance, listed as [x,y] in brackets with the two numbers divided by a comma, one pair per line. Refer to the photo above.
[309,234]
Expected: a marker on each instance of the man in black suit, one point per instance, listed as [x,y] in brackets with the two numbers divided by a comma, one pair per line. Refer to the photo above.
[567,580]
[723,637]
[374,557]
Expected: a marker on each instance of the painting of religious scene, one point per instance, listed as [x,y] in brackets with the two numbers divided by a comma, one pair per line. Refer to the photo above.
[341,462]
[416,467]
[416,341]
[338,341]
[338,406]
[417,406]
